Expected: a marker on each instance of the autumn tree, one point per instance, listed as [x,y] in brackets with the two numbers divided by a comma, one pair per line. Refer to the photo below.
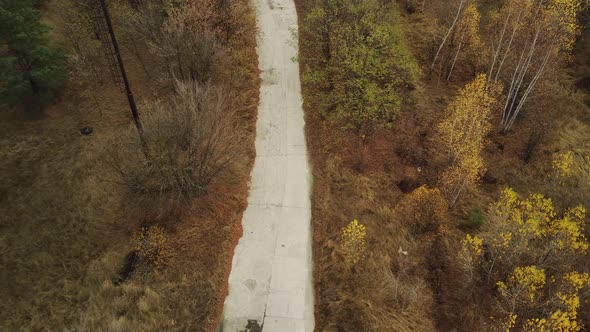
[85,55]
[457,9]
[86,60]
[29,67]
[139,26]
[466,44]
[531,228]
[526,243]
[531,36]
[522,288]
[463,134]
[365,62]
[184,38]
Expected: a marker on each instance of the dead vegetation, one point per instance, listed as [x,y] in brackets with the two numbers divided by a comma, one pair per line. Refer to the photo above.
[189,140]
[70,228]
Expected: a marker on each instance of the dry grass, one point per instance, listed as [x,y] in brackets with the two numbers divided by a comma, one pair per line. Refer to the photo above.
[427,289]
[387,290]
[66,231]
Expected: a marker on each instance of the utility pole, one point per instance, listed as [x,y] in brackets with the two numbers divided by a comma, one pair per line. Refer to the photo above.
[130,98]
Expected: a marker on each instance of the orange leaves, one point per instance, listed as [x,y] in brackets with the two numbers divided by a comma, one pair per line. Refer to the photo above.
[424,209]
[152,246]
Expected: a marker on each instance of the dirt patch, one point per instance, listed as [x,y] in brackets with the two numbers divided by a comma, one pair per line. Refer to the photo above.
[131,261]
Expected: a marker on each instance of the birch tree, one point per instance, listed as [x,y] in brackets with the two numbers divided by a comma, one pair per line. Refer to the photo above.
[533,34]
[458,12]
[467,38]
[463,133]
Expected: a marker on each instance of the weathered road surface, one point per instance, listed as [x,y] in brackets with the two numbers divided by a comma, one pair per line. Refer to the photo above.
[270,285]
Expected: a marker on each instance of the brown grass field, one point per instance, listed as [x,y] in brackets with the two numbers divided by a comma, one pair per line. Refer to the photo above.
[67,228]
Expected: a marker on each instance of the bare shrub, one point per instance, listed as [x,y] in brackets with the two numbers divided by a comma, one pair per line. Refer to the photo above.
[183,39]
[190,140]
[140,26]
[423,210]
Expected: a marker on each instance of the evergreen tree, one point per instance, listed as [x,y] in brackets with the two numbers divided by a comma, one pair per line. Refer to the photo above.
[29,67]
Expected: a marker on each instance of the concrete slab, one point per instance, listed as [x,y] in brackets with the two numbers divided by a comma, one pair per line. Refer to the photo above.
[280,324]
[270,285]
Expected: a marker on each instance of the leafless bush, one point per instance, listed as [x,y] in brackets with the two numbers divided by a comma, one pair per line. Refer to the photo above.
[141,26]
[190,140]
[183,38]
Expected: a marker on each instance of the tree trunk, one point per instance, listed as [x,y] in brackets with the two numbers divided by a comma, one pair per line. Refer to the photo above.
[451,28]
[456,56]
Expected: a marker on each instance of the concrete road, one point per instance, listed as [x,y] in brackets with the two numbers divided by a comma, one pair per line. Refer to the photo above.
[270,285]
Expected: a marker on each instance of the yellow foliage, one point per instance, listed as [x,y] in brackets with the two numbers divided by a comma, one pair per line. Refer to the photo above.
[467,123]
[557,20]
[152,245]
[463,132]
[465,173]
[472,248]
[524,283]
[563,163]
[518,223]
[568,231]
[577,280]
[529,231]
[565,318]
[531,227]
[353,242]
[564,15]
[468,28]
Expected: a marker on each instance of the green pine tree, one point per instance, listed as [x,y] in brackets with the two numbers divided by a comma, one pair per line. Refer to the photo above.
[30,70]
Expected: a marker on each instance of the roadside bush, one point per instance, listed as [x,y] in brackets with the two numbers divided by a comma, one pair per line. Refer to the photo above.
[189,141]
